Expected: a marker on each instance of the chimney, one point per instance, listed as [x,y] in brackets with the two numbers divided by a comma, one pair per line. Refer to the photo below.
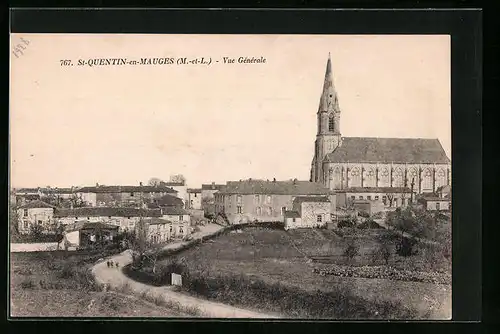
[140,184]
[97,185]
[294,181]
[213,185]
[274,179]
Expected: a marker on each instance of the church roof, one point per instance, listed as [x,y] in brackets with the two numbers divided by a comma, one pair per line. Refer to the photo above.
[388,150]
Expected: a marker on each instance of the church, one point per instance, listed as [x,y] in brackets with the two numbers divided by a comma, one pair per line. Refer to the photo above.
[365,163]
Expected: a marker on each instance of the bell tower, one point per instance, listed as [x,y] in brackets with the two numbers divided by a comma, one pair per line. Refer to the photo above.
[328,136]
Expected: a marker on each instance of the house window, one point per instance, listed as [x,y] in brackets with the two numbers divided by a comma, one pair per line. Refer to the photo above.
[259,211]
[238,199]
[25,212]
[293,220]
[40,222]
[360,197]
[195,195]
[170,229]
[238,209]
[270,211]
[319,218]
[109,217]
[181,217]
[368,198]
[131,224]
[438,207]
[283,209]
[88,218]
[384,199]
[181,230]
[128,217]
[268,199]
[192,202]
[25,224]
[131,194]
[76,218]
[353,197]
[376,198]
[257,198]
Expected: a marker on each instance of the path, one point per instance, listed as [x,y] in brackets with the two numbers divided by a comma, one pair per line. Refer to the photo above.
[116,279]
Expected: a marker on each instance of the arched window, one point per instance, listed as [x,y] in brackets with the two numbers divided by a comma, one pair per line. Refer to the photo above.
[440,178]
[427,180]
[384,177]
[398,178]
[337,178]
[259,211]
[370,180]
[331,123]
[355,177]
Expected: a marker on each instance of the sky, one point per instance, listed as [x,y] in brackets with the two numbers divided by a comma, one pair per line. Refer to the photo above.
[81,125]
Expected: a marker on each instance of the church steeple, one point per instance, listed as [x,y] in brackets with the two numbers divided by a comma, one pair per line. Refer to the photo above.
[328,137]
[329,100]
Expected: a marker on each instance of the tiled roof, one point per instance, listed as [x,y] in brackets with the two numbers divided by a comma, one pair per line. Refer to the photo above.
[29,196]
[274,187]
[292,214]
[375,190]
[126,189]
[156,221]
[212,186]
[314,199]
[171,184]
[174,210]
[106,212]
[83,225]
[169,200]
[37,204]
[387,150]
[58,190]
[194,190]
[27,190]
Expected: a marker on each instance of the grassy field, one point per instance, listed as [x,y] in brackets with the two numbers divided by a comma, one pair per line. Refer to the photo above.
[57,284]
[276,256]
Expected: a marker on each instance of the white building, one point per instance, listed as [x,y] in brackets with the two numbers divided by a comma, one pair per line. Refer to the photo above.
[35,212]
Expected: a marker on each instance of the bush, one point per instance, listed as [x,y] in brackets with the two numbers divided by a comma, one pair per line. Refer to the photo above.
[406,247]
[364,214]
[346,224]
[351,251]
[28,284]
[370,224]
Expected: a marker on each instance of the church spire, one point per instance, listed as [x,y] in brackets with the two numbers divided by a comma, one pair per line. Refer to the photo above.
[329,100]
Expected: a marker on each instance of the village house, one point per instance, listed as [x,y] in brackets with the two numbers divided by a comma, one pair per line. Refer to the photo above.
[308,211]
[83,234]
[180,188]
[388,196]
[435,203]
[35,212]
[264,201]
[166,201]
[175,214]
[125,218]
[101,195]
[161,229]
[194,199]
[208,198]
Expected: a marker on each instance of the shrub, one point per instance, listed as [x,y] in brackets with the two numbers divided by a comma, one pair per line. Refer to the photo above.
[28,284]
[363,214]
[369,224]
[346,224]
[351,251]
[406,247]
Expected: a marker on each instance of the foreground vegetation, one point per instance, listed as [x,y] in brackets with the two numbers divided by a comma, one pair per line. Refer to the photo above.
[60,284]
[276,271]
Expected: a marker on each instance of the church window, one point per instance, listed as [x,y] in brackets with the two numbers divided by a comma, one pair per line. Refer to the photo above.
[355,177]
[427,180]
[330,124]
[370,178]
[398,177]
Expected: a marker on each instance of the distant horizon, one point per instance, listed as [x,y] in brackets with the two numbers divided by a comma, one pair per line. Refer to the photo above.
[121,125]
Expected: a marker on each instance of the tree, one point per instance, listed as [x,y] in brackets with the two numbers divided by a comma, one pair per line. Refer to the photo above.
[14,220]
[36,231]
[144,249]
[178,178]
[154,181]
[390,198]
[351,251]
